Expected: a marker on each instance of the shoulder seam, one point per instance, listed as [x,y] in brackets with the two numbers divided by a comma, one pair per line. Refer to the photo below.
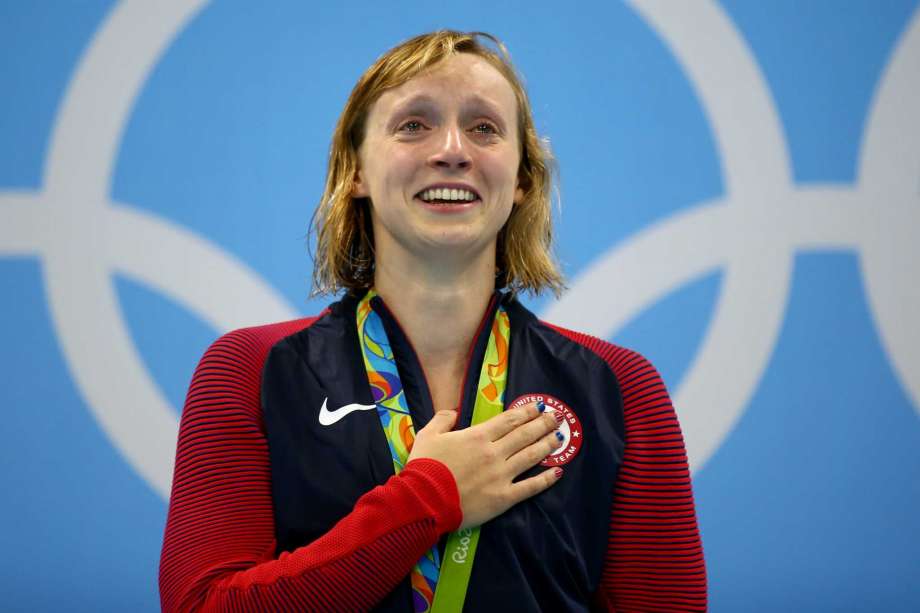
[616,356]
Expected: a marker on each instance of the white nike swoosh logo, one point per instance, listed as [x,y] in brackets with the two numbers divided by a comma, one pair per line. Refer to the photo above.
[327,417]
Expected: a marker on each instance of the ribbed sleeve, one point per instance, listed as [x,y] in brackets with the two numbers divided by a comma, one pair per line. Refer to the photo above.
[654,556]
[218,549]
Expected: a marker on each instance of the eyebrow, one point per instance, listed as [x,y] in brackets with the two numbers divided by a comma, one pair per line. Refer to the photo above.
[426,103]
[490,109]
[419,101]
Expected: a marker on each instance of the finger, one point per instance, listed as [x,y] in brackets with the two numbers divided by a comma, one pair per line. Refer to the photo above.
[443,421]
[502,424]
[527,434]
[534,453]
[530,487]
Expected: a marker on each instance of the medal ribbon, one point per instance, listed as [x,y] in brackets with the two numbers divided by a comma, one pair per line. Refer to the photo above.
[436,587]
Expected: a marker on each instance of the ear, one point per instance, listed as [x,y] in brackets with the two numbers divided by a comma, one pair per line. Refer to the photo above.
[518,193]
[359,187]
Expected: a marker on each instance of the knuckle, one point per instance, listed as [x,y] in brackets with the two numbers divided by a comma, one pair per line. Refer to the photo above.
[504,498]
[535,455]
[529,489]
[534,487]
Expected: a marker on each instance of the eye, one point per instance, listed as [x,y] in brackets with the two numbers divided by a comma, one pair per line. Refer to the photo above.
[413,125]
[485,128]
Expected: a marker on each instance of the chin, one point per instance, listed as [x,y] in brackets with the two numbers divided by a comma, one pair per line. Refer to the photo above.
[462,241]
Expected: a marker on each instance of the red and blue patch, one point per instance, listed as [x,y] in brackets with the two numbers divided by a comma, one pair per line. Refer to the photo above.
[570,427]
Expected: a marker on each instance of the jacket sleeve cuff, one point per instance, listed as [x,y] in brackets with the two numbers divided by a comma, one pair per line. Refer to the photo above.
[436,488]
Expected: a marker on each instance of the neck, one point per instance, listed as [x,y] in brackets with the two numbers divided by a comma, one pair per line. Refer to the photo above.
[439,305]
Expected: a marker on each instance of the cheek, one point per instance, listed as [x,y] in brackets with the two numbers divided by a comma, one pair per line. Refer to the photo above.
[397,160]
[506,168]
[384,165]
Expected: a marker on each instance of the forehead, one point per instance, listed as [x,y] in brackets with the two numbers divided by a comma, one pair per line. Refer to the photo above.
[463,77]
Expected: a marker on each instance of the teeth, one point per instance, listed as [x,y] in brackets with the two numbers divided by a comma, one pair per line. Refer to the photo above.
[460,195]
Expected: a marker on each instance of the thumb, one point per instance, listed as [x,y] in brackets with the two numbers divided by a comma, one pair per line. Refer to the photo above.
[443,421]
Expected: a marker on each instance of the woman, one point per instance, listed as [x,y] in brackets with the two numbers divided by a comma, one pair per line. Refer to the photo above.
[347,461]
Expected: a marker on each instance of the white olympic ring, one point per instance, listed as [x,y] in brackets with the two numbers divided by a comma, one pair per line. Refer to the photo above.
[753,232]
[82,236]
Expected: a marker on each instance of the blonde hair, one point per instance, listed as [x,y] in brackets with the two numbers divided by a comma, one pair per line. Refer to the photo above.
[344,256]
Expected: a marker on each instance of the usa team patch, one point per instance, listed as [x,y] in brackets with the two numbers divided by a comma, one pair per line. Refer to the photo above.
[570,428]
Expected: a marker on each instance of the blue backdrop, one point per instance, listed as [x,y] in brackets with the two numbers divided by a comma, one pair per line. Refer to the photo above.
[740,198]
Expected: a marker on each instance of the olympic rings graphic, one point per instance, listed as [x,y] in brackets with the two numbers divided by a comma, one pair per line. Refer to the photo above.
[82,238]
[753,233]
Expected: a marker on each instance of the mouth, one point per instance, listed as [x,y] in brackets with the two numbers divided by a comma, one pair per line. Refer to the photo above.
[448,196]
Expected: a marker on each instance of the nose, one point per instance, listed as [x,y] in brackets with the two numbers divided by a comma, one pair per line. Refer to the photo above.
[451,151]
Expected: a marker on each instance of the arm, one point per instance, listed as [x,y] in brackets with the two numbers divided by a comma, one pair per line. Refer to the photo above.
[218,550]
[654,558]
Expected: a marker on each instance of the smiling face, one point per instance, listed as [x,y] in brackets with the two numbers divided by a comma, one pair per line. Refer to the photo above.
[439,162]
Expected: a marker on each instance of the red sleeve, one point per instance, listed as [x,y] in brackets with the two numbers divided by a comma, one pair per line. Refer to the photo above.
[654,558]
[219,547]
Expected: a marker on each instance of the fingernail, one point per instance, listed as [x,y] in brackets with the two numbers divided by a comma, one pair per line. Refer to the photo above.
[559,436]
[559,417]
[540,406]
[557,472]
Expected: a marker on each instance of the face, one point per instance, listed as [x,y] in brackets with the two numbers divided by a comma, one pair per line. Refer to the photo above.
[439,161]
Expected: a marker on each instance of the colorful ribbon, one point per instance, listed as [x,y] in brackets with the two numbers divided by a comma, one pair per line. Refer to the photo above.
[428,593]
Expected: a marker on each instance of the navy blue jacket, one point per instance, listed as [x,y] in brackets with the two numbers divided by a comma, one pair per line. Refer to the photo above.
[545,553]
